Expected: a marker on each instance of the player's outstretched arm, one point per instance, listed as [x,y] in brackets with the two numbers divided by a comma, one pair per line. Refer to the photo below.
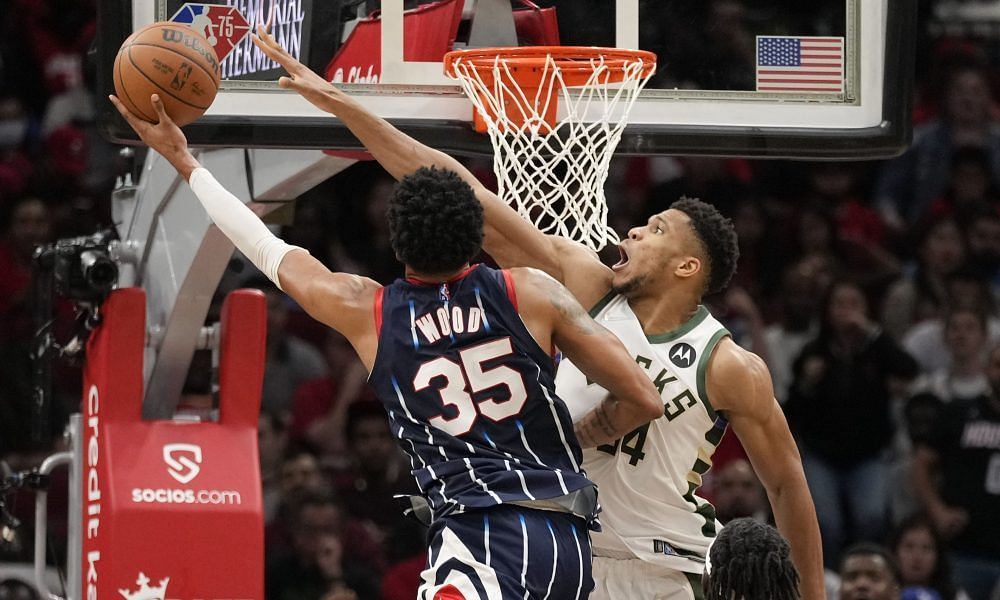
[340,300]
[509,239]
[738,383]
[553,314]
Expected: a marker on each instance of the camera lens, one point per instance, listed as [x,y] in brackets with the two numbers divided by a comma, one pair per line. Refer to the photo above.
[99,271]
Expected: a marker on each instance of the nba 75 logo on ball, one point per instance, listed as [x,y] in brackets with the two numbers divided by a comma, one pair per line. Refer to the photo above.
[222,26]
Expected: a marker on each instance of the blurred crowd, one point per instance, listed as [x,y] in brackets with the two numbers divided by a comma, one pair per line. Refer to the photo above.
[870,289]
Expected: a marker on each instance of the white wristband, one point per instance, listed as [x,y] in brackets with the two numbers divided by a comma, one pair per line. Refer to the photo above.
[245,229]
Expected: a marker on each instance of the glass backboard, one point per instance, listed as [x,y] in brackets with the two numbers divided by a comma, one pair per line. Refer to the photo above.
[777,78]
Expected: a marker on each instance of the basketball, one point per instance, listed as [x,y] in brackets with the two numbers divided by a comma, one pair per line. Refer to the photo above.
[171,60]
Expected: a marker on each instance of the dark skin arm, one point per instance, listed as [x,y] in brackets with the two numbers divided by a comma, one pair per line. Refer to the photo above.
[509,239]
[739,384]
[341,301]
[554,317]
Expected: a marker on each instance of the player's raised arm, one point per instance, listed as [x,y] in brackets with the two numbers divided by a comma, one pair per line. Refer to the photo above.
[341,300]
[551,312]
[739,385]
[509,239]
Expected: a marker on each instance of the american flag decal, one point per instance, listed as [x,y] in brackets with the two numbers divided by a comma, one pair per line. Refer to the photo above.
[800,64]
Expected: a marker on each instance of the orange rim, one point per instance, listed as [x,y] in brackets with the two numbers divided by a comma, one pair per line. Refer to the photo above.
[572,60]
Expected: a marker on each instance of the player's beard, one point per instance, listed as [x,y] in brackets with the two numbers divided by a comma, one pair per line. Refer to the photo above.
[630,287]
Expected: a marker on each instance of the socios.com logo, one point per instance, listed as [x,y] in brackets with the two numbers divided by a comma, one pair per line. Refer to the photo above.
[185,496]
[183,461]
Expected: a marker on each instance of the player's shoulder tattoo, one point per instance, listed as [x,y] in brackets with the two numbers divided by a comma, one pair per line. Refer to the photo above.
[563,301]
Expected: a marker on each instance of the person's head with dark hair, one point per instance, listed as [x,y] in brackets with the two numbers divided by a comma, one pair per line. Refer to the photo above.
[369,437]
[435,222]
[971,177]
[967,96]
[868,572]
[314,516]
[920,554]
[691,245]
[982,235]
[717,238]
[845,312]
[738,491]
[940,247]
[26,223]
[300,474]
[966,336]
[750,560]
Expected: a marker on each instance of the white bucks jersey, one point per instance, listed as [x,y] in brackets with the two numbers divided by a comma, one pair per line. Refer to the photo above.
[647,479]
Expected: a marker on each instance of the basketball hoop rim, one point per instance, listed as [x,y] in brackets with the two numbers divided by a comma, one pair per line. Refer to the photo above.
[568,59]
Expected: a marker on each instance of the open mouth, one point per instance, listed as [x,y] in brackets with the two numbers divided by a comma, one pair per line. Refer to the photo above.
[624,260]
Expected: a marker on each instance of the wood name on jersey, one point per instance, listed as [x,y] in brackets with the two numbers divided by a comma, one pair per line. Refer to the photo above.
[447,321]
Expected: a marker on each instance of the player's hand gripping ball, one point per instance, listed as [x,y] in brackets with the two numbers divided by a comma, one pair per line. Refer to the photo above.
[173,61]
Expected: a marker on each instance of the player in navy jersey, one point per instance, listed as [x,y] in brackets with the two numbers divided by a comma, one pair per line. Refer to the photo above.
[460,356]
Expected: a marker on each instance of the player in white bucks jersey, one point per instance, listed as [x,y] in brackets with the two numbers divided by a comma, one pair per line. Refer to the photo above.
[655,469]
[668,265]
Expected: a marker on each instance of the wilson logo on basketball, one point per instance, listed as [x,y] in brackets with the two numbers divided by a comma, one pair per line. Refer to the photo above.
[176,36]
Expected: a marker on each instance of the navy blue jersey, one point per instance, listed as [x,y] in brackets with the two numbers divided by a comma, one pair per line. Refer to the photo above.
[470,394]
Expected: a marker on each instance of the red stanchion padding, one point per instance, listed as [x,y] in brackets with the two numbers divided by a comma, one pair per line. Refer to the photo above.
[241,356]
[114,357]
[171,509]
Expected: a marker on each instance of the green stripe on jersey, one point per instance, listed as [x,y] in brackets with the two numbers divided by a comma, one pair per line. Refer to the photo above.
[700,314]
[702,372]
[713,436]
[597,308]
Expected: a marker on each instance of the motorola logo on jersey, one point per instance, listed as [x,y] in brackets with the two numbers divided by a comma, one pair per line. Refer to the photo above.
[683,355]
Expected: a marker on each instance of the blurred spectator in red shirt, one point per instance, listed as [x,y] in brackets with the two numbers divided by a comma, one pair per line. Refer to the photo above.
[59,33]
[319,406]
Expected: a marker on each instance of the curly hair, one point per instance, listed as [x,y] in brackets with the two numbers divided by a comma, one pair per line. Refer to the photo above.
[751,561]
[718,238]
[435,221]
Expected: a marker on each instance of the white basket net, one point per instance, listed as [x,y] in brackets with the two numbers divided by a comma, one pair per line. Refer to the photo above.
[554,175]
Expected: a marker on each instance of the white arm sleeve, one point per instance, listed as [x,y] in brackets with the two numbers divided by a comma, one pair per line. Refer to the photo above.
[247,232]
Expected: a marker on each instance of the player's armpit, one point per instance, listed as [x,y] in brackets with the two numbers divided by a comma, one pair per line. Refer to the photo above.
[738,384]
[343,301]
[549,307]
